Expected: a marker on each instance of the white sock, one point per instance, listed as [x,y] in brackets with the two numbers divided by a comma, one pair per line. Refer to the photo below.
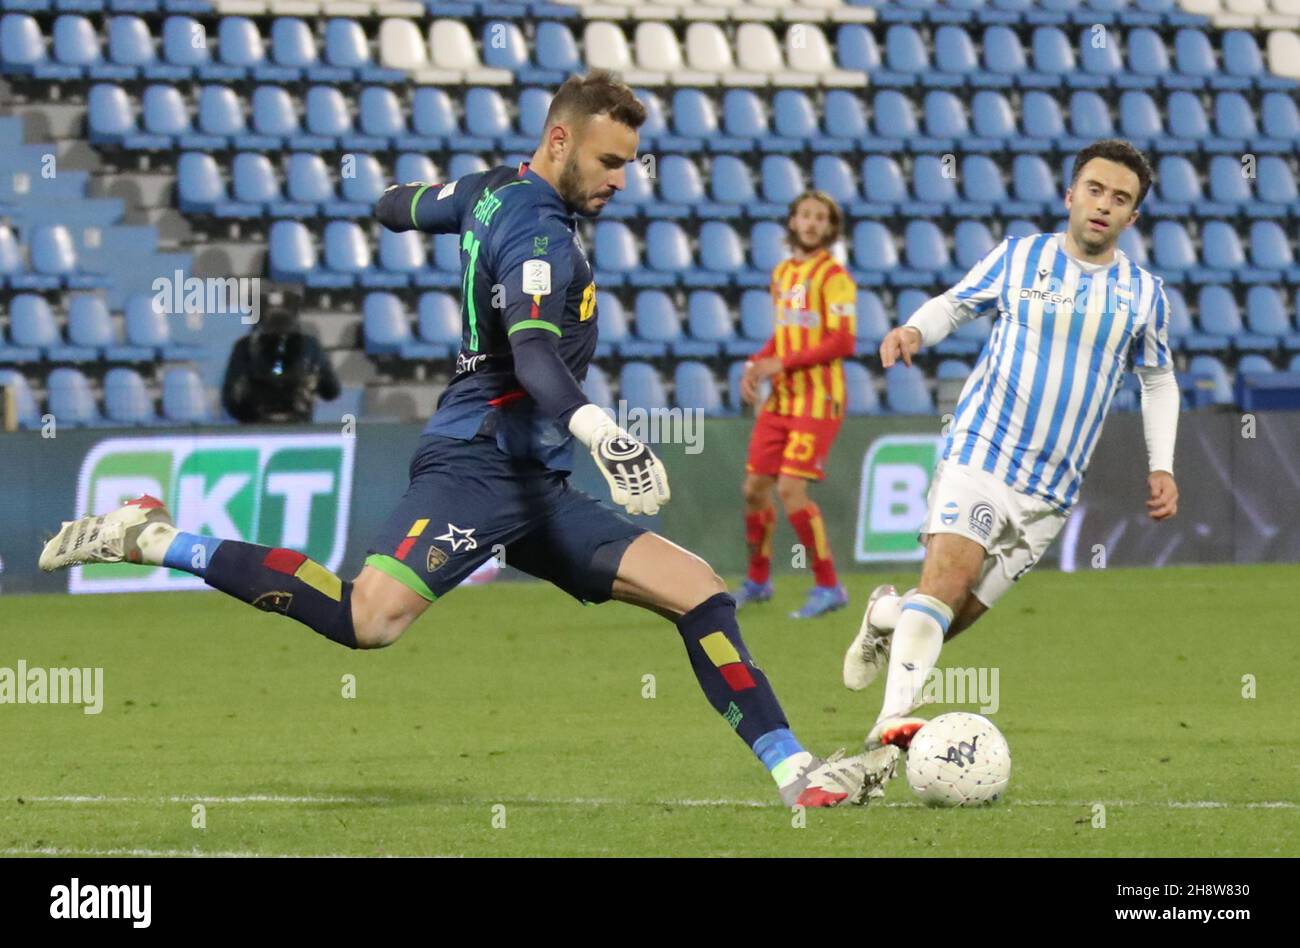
[154,541]
[918,637]
[886,610]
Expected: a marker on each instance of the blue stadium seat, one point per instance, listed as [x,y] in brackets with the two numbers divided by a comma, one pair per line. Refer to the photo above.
[179,48]
[971,241]
[22,47]
[1210,366]
[832,174]
[438,317]
[432,113]
[734,400]
[32,327]
[743,115]
[617,251]
[1177,182]
[597,389]
[720,253]
[844,115]
[906,392]
[126,401]
[667,251]
[1032,182]
[730,180]
[1138,116]
[504,46]
[346,256]
[905,50]
[253,180]
[1180,319]
[486,114]
[89,326]
[53,254]
[293,50]
[328,116]
[693,114]
[165,113]
[709,323]
[387,331]
[1053,54]
[199,185]
[657,325]
[894,115]
[276,117]
[401,252]
[308,181]
[613,323]
[1090,116]
[1099,59]
[28,414]
[380,115]
[1193,54]
[856,48]
[696,389]
[1269,249]
[533,105]
[924,246]
[291,252]
[1221,246]
[365,184]
[1227,184]
[1241,55]
[1147,55]
[110,116]
[874,249]
[1172,246]
[953,51]
[871,324]
[148,329]
[71,401]
[1187,118]
[767,246]
[346,47]
[1275,183]
[680,185]
[446,257]
[859,391]
[982,180]
[184,399]
[640,386]
[993,117]
[556,48]
[793,116]
[930,184]
[945,115]
[882,180]
[1134,246]
[1266,315]
[221,113]
[1280,117]
[462,164]
[756,316]
[130,49]
[1234,116]
[414,167]
[239,44]
[1042,115]
[782,179]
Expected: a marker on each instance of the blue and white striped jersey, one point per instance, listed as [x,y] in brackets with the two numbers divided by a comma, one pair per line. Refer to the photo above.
[1032,409]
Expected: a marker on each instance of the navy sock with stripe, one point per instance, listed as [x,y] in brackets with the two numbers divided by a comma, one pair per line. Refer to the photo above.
[734,685]
[272,579]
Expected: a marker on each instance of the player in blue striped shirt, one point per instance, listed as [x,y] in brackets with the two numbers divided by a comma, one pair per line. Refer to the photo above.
[1069,309]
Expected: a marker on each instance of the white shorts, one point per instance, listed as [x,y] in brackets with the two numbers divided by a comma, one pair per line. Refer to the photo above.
[1015,528]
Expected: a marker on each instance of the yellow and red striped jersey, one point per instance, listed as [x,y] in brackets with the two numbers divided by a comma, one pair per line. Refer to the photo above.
[815,314]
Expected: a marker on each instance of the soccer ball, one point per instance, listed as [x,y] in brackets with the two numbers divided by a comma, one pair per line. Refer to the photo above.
[959,759]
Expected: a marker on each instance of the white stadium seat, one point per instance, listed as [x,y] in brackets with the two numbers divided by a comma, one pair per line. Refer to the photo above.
[606,47]
[452,48]
[707,50]
[1284,53]
[401,46]
[758,51]
[806,50]
[657,50]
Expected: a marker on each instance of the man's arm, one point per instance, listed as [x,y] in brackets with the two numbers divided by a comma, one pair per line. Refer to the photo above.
[432,208]
[1161,402]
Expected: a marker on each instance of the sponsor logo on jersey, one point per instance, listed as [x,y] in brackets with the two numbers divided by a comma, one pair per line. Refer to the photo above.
[537,278]
[466,364]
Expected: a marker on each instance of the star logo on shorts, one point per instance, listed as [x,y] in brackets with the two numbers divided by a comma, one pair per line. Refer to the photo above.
[460,539]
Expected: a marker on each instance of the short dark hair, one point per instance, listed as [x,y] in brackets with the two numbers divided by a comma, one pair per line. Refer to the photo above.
[832,209]
[1120,152]
[599,92]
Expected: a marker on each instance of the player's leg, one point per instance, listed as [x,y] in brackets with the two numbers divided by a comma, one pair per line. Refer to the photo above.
[595,554]
[760,524]
[803,462]
[762,465]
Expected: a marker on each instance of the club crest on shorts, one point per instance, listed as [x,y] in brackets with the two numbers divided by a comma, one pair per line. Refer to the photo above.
[981,520]
[275,601]
[949,513]
[435,559]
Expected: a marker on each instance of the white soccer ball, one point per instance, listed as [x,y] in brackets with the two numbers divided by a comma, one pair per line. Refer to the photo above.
[959,759]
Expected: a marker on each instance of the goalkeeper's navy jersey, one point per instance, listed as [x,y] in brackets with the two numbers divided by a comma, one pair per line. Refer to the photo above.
[522,268]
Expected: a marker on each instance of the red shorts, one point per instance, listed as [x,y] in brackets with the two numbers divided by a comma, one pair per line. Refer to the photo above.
[794,446]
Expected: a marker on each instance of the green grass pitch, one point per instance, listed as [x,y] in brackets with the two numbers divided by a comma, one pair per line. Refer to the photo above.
[513,704]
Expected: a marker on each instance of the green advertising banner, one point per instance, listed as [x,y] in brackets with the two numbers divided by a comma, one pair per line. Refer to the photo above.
[290,490]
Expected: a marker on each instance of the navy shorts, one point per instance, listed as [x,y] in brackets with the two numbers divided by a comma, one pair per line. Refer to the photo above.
[468,501]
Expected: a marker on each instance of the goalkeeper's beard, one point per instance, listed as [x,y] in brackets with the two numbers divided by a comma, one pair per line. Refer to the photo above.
[572,193]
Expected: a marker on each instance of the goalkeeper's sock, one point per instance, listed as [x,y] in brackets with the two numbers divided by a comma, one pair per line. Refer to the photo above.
[272,579]
[759,527]
[918,637]
[811,530]
[736,687]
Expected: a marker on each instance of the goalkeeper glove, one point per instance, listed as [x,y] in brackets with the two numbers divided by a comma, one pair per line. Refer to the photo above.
[637,479]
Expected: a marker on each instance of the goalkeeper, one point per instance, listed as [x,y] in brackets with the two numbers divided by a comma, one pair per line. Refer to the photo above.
[490,471]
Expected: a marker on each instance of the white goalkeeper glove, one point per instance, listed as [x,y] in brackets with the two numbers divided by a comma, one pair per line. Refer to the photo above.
[637,479]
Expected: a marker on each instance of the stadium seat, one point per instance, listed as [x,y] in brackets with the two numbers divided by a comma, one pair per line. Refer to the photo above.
[597,389]
[438,318]
[613,323]
[730,180]
[721,253]
[184,399]
[695,389]
[126,401]
[993,119]
[641,387]
[709,324]
[668,254]
[906,392]
[873,248]
[872,323]
[149,330]
[89,326]
[859,390]
[1214,370]
[657,325]
[71,401]
[28,415]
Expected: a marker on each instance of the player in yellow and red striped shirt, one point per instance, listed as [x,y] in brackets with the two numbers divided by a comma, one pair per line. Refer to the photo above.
[814,301]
